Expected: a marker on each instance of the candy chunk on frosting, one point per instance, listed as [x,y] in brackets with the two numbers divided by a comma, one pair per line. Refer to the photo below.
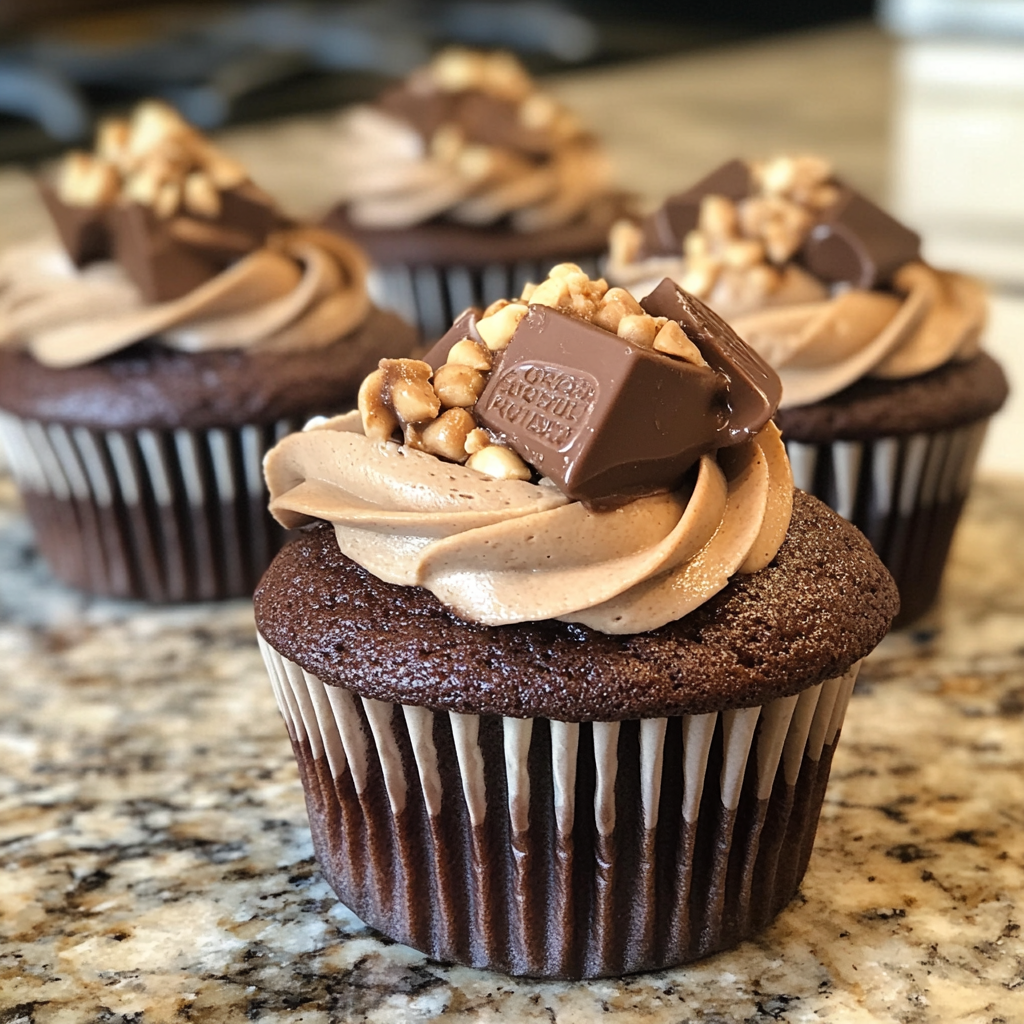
[501,551]
[466,146]
[752,240]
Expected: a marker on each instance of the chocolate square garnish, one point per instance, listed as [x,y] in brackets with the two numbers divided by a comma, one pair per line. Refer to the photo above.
[754,387]
[859,243]
[165,265]
[666,228]
[84,230]
[605,420]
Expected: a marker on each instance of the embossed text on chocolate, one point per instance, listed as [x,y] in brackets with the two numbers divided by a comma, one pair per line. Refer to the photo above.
[549,401]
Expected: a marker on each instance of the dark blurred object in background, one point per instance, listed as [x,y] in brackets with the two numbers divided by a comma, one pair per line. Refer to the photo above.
[63,63]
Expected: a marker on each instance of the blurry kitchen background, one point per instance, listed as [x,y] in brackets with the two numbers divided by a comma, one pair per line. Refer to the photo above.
[920,103]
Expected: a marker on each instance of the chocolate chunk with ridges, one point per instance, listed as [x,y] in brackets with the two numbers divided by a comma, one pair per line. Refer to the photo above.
[166,263]
[605,420]
[859,243]
[84,230]
[754,387]
[665,229]
[464,327]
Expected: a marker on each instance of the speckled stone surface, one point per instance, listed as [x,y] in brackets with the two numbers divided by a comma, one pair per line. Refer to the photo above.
[155,863]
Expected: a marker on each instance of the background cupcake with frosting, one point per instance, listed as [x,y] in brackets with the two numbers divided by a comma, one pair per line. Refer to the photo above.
[464,182]
[562,654]
[886,392]
[148,362]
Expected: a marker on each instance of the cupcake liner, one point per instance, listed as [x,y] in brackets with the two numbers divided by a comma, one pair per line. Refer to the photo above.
[561,849]
[905,493]
[163,515]
[433,297]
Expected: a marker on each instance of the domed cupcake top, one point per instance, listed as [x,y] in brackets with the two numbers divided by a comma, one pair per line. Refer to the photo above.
[825,285]
[471,139]
[573,455]
[167,237]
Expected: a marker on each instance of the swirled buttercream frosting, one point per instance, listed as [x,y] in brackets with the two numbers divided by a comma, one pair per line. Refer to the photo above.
[565,479]
[469,139]
[823,284]
[303,289]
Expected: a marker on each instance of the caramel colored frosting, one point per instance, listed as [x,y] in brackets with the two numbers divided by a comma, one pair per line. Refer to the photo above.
[456,510]
[471,139]
[304,289]
[745,259]
[505,551]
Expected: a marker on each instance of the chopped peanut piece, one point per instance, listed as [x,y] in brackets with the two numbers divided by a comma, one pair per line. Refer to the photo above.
[500,463]
[672,340]
[458,386]
[637,329]
[473,354]
[497,329]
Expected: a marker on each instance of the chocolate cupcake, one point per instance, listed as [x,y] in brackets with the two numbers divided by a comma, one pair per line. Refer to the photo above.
[886,393]
[139,393]
[464,182]
[564,671]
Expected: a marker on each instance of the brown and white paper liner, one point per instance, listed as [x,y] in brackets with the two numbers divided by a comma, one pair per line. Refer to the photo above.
[904,493]
[162,515]
[561,849]
[433,297]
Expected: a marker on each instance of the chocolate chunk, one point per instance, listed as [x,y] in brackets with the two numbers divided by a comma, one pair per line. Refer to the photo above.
[605,420]
[754,387]
[84,230]
[165,261]
[425,111]
[665,229]
[859,243]
[464,327]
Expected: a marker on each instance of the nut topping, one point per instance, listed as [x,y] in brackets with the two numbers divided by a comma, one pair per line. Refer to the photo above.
[472,354]
[500,463]
[458,386]
[498,328]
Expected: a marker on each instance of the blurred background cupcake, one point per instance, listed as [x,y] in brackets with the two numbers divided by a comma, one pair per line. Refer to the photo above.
[886,392]
[466,181]
[146,366]
[564,664]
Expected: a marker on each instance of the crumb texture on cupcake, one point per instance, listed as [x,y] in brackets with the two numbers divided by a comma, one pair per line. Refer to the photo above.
[825,285]
[821,605]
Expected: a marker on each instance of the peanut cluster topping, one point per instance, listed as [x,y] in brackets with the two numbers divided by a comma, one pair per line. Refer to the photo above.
[162,200]
[435,409]
[470,137]
[157,159]
[822,283]
[603,396]
[738,252]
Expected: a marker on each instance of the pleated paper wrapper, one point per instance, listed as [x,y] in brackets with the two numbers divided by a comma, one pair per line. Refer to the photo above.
[161,515]
[904,493]
[561,849]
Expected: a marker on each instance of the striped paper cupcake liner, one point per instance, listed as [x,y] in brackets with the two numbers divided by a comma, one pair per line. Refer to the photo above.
[904,493]
[432,297]
[561,849]
[162,515]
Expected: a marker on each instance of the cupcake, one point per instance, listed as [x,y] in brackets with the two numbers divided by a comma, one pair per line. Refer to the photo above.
[565,667]
[464,182]
[886,392]
[146,366]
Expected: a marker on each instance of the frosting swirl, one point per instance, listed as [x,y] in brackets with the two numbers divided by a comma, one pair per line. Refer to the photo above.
[304,289]
[749,254]
[506,551]
[470,139]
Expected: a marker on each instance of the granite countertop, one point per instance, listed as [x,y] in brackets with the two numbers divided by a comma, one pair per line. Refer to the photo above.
[157,864]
